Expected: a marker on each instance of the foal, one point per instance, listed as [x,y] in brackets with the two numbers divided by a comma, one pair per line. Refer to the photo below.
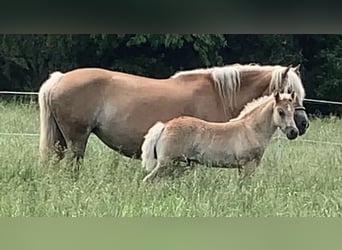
[239,143]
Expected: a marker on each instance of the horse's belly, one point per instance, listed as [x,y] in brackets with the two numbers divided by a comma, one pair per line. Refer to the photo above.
[121,140]
[219,160]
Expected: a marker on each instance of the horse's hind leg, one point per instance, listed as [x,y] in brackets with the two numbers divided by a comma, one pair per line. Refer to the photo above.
[76,140]
[60,146]
[78,146]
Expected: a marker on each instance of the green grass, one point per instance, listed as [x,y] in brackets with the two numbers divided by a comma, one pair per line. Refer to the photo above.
[295,178]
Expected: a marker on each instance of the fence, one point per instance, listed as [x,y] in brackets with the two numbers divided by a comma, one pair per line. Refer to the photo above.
[305,100]
[277,137]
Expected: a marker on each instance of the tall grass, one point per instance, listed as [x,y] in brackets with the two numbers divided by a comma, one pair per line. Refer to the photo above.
[295,178]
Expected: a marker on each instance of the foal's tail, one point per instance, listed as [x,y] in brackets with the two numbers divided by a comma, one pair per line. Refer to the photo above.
[49,131]
[148,148]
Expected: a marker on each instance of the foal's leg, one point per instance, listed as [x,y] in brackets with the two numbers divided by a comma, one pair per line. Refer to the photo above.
[154,172]
[248,169]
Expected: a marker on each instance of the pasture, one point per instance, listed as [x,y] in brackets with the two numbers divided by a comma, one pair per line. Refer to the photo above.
[295,178]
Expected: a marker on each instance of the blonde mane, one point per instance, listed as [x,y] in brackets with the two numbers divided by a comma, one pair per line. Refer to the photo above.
[251,106]
[293,82]
[256,103]
[227,80]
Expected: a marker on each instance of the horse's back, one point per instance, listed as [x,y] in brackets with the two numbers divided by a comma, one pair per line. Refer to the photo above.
[95,86]
[85,76]
[185,122]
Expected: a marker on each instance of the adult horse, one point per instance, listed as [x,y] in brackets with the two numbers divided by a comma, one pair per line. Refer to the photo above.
[119,108]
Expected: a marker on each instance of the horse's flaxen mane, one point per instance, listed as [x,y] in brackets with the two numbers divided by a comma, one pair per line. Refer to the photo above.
[249,107]
[227,80]
[192,72]
[293,82]
[245,67]
[256,103]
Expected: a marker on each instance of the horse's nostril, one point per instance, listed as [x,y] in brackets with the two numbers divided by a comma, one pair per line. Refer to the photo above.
[304,123]
[292,133]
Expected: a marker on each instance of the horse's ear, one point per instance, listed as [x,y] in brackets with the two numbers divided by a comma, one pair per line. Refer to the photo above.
[296,69]
[286,71]
[276,96]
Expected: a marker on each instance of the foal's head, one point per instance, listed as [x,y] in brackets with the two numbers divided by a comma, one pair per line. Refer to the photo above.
[283,114]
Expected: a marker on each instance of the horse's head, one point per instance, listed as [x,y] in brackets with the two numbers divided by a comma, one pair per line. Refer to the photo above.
[292,82]
[283,114]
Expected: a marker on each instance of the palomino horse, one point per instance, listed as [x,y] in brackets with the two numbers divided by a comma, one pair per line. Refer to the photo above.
[119,108]
[239,143]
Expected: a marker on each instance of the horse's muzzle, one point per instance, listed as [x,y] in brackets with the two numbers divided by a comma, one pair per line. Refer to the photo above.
[291,133]
[301,120]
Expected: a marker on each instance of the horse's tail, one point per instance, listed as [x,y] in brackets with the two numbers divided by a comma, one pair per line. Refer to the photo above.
[50,134]
[148,148]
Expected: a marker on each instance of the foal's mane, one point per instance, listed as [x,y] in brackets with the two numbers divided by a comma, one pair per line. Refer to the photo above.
[251,106]
[257,103]
[227,80]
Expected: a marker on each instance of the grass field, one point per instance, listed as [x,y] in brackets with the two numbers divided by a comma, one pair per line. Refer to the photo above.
[295,178]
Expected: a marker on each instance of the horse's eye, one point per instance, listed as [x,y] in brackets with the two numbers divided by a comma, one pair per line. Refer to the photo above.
[281,112]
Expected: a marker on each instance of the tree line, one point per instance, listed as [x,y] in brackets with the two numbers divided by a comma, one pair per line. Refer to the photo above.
[26,60]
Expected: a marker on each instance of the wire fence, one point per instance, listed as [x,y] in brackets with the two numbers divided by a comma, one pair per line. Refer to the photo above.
[305,100]
[20,134]
[18,93]
[277,137]
[322,101]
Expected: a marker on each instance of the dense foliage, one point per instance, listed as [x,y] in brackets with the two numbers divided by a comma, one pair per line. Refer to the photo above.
[26,60]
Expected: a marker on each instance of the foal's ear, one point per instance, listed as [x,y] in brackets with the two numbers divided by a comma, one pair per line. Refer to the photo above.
[276,96]
[293,95]
[296,69]
[286,71]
